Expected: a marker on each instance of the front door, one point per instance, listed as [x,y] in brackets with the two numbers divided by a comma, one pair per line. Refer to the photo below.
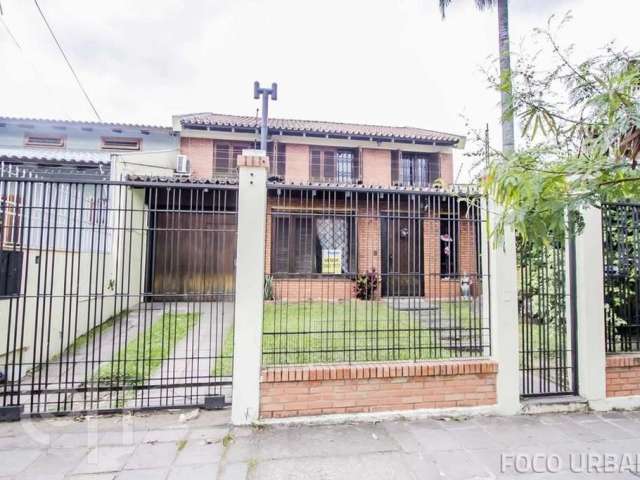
[402,259]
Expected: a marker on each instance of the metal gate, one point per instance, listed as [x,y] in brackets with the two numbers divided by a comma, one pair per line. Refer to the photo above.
[89,318]
[546,316]
[621,254]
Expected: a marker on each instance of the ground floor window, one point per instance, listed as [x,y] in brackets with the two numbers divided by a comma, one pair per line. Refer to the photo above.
[313,244]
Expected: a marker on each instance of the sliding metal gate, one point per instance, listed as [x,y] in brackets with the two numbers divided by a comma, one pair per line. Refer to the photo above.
[546,319]
[115,295]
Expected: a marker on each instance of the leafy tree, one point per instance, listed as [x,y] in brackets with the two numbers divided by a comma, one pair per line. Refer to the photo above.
[581,139]
[505,66]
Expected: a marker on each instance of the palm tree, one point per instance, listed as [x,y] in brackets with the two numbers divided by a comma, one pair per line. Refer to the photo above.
[505,66]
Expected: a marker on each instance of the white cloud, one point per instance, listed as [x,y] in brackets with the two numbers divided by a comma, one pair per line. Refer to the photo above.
[376,61]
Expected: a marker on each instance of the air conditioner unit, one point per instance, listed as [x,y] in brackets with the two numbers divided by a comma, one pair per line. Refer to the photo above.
[183,166]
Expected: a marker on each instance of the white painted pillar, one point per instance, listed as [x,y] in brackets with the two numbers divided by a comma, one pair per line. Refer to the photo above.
[247,352]
[590,308]
[504,315]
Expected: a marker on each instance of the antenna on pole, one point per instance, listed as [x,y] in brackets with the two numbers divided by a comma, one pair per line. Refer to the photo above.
[265,93]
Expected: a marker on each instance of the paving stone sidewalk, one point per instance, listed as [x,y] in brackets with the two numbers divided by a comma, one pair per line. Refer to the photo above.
[161,446]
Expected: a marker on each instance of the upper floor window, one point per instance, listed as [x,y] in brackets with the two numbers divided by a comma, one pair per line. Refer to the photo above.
[334,165]
[277,162]
[225,157]
[414,169]
[44,141]
[121,143]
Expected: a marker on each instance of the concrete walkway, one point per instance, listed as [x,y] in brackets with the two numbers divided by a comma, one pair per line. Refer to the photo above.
[190,362]
[166,446]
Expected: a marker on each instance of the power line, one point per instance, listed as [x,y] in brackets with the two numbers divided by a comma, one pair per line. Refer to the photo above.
[6,27]
[86,95]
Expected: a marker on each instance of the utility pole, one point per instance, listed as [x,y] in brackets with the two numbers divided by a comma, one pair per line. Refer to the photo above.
[265,92]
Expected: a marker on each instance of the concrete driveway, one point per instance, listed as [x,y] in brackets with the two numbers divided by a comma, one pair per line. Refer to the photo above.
[204,446]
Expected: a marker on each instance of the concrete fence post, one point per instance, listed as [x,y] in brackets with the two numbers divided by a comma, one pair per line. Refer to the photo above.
[247,352]
[503,297]
[590,336]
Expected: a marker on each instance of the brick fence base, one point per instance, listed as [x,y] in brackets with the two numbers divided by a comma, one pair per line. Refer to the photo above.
[317,390]
[623,375]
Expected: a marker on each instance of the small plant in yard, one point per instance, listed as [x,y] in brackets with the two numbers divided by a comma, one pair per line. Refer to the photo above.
[366,284]
[181,444]
[227,440]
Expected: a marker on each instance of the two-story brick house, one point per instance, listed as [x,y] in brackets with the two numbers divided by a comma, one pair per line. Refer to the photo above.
[419,247]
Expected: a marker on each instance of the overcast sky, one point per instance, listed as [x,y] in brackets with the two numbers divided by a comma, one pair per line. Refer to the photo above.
[393,62]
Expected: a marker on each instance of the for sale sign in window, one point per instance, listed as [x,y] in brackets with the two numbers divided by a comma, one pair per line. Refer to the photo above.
[332,260]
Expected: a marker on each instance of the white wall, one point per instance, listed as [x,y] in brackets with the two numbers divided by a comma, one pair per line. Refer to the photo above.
[66,293]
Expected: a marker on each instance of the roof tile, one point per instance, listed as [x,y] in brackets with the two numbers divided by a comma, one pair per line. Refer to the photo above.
[320,127]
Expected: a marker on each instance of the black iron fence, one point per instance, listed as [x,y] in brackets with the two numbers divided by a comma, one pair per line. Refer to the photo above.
[356,274]
[115,295]
[546,322]
[621,255]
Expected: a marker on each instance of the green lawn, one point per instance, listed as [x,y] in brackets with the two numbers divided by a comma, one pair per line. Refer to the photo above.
[351,331]
[141,356]
[542,341]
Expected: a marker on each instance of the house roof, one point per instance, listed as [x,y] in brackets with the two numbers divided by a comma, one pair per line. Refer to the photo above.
[83,123]
[53,155]
[349,130]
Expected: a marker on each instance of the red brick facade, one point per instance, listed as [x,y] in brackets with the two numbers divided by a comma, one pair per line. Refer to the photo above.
[317,390]
[368,238]
[200,154]
[376,167]
[623,375]
[376,163]
[376,170]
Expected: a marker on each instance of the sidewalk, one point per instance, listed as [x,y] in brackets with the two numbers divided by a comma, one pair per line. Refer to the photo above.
[162,446]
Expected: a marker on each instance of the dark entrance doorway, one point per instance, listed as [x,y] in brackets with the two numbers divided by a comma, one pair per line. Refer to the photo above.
[192,244]
[402,259]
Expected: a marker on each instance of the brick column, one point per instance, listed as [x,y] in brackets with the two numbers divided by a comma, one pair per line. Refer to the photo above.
[252,199]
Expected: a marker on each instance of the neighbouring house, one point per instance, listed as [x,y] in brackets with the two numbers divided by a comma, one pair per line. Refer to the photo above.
[319,233]
[62,225]
[59,148]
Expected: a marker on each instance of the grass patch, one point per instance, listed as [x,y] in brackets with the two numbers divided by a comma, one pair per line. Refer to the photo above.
[355,330]
[82,340]
[321,332]
[141,356]
[223,363]
[543,343]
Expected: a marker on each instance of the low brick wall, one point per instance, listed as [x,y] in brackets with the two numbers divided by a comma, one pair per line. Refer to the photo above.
[294,290]
[316,390]
[623,375]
